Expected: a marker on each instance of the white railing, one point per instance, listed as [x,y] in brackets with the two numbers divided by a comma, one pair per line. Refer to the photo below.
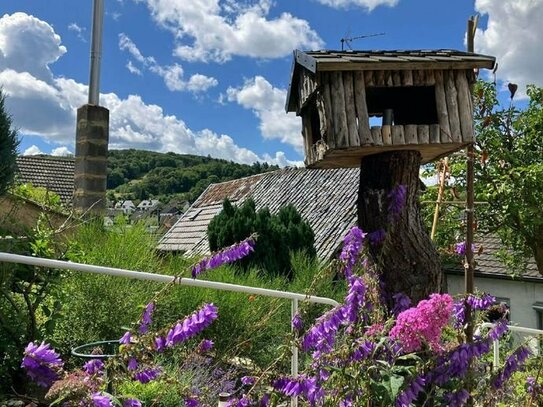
[161,278]
[512,328]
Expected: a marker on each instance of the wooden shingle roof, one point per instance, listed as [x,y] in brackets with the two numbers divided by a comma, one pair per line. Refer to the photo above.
[324,198]
[53,173]
[327,60]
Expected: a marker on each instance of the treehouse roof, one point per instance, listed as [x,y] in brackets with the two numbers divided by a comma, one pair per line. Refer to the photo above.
[326,60]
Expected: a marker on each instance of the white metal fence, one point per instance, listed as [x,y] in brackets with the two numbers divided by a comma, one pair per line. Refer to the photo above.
[161,278]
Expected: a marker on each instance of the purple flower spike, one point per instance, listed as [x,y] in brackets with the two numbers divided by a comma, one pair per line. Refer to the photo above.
[297,322]
[41,363]
[512,364]
[146,318]
[126,338]
[352,246]
[205,346]
[248,380]
[147,375]
[401,303]
[228,255]
[160,343]
[132,364]
[131,403]
[94,366]
[190,402]
[101,400]
[460,248]
[397,199]
[192,325]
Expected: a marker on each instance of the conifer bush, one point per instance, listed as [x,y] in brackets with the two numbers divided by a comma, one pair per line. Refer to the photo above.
[278,235]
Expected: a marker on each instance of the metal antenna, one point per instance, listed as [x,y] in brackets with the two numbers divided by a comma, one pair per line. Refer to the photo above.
[348,41]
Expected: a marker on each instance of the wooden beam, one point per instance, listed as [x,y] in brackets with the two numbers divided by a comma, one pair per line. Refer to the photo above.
[451,95]
[464,106]
[411,134]
[352,130]
[364,133]
[338,109]
[441,106]
[327,99]
[398,137]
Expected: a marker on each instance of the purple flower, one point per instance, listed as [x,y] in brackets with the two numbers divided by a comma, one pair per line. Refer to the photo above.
[477,303]
[146,319]
[377,237]
[297,322]
[190,402]
[457,399]
[205,346]
[131,403]
[401,303]
[352,246]
[101,400]
[94,366]
[147,375]
[228,255]
[354,299]
[192,325]
[126,338]
[460,248]
[265,400]
[500,328]
[248,380]
[132,364]
[306,386]
[512,364]
[411,392]
[160,343]
[41,363]
[397,199]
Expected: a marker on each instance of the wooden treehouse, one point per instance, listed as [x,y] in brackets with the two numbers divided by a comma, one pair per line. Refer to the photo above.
[358,103]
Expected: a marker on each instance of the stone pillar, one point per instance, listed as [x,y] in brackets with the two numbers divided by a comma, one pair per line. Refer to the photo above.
[92,136]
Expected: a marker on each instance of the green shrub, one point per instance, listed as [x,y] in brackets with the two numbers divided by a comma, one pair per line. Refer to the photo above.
[278,235]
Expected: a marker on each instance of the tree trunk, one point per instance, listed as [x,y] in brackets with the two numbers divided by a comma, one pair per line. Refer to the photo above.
[406,260]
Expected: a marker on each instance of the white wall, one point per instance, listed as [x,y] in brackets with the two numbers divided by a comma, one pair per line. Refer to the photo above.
[521,295]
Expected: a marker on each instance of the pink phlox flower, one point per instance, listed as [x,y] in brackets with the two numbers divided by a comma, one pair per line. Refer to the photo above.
[423,324]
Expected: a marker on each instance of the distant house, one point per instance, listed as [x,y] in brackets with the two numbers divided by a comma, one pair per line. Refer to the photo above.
[55,174]
[127,207]
[148,205]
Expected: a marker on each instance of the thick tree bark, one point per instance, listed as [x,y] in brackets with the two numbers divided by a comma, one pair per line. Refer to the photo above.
[406,260]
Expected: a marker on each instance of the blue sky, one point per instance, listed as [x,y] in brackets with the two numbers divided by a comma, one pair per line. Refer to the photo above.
[209,76]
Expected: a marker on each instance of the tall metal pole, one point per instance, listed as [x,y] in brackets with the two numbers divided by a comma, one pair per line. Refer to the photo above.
[96,52]
[469,268]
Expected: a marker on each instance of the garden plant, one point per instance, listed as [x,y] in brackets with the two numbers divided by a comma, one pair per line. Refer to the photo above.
[368,351]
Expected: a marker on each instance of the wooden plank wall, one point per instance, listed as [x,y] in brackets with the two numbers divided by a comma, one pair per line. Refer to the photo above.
[340,99]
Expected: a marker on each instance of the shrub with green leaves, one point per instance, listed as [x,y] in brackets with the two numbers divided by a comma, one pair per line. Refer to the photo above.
[277,235]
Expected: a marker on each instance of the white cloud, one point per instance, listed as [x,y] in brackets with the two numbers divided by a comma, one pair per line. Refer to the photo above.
[62,151]
[367,4]
[209,31]
[46,106]
[171,74]
[41,45]
[78,30]
[126,44]
[268,104]
[33,150]
[513,34]
[133,69]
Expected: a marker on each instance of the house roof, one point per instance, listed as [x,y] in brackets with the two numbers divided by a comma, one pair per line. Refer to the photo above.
[488,265]
[327,60]
[53,173]
[324,198]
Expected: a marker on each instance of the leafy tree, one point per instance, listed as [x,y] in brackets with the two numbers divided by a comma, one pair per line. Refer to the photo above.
[508,175]
[278,235]
[8,147]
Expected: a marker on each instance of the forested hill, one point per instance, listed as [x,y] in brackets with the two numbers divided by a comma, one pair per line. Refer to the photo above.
[140,174]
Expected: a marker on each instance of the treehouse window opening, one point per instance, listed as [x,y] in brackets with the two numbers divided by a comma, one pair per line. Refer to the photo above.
[409,105]
[314,125]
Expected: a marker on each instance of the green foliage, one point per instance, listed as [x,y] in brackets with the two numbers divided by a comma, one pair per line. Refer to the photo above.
[8,147]
[508,176]
[277,235]
[38,194]
[139,174]
[29,309]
